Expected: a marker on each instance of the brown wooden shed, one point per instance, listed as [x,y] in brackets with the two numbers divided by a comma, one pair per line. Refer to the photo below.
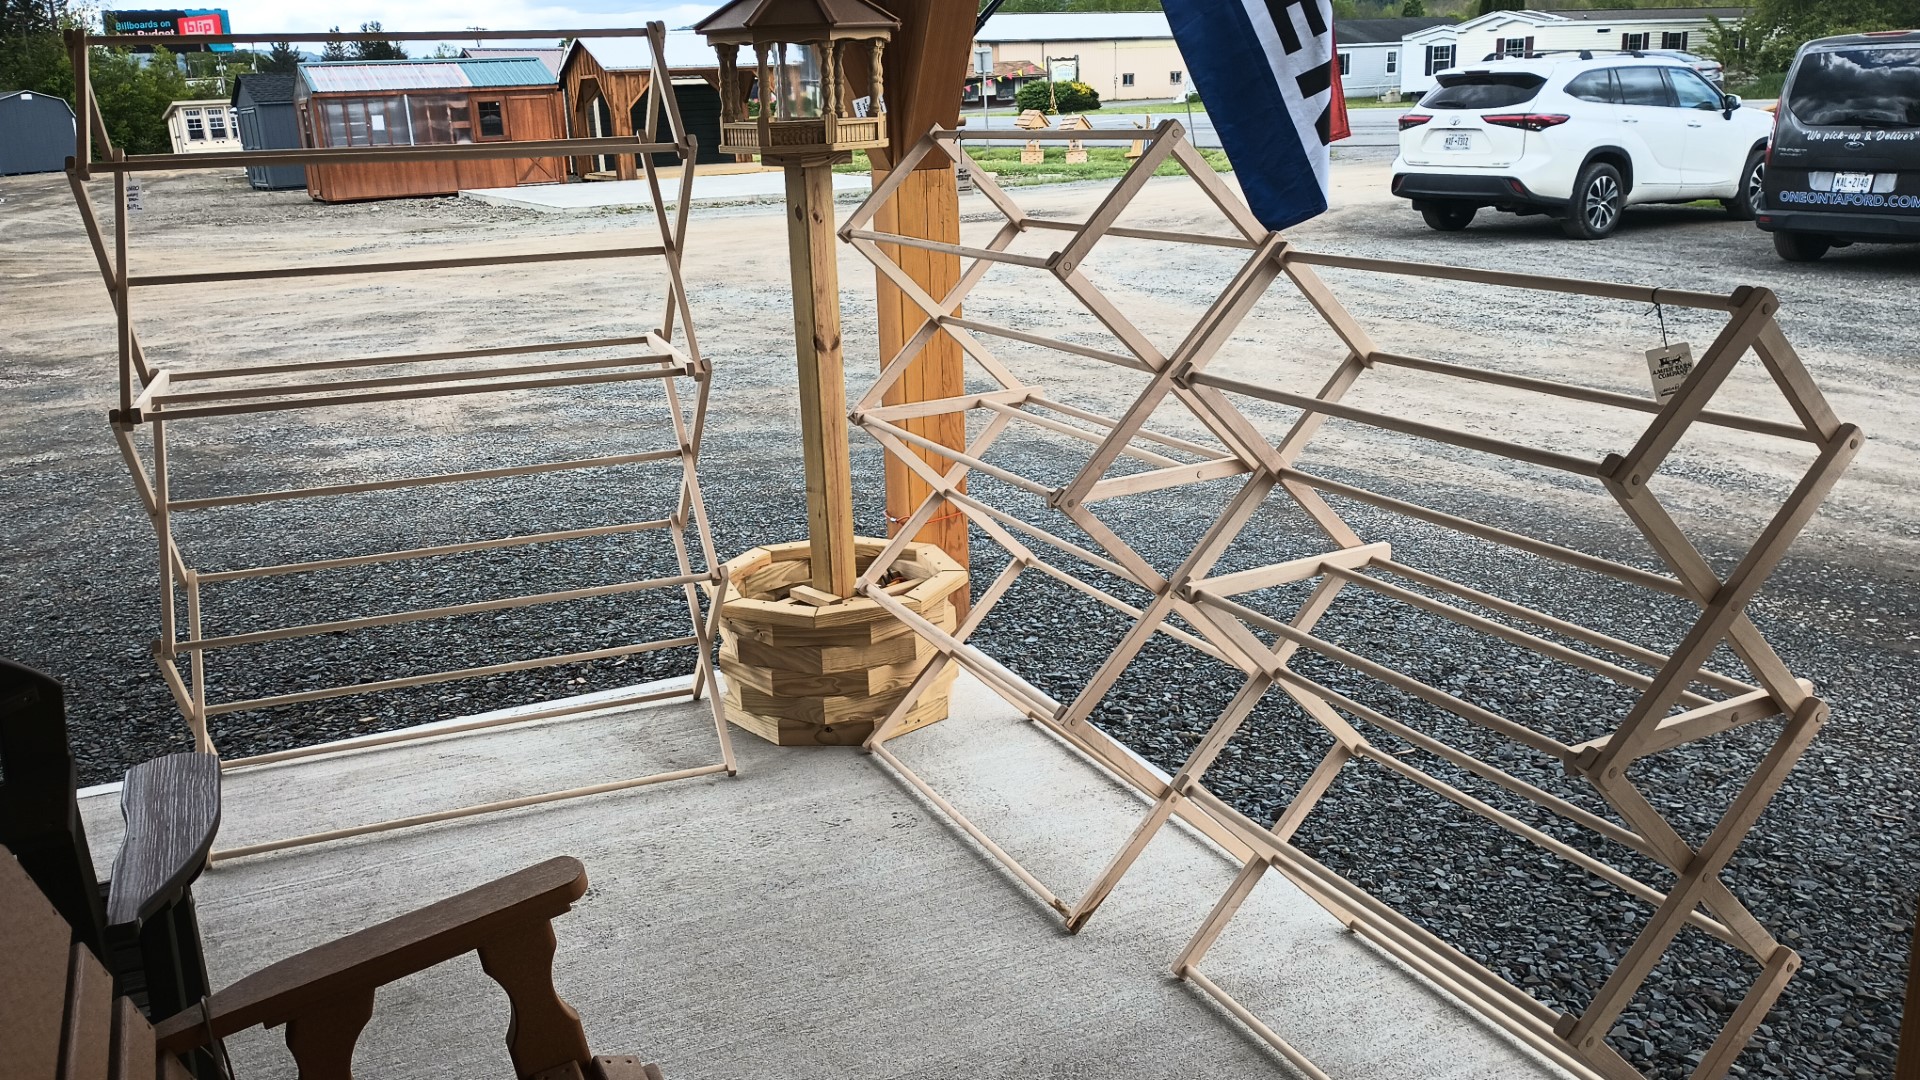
[428,102]
[606,81]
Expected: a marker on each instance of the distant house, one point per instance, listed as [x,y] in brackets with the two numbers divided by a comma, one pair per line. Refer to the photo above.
[1516,33]
[203,126]
[1000,87]
[1371,52]
[427,103]
[36,133]
[553,58]
[263,111]
[606,82]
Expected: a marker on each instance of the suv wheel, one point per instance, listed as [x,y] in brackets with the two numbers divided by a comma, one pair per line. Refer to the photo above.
[1598,198]
[1744,206]
[1448,218]
[1799,246]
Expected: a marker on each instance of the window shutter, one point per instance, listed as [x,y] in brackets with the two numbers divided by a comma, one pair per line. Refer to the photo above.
[1429,59]
[1626,42]
[1529,45]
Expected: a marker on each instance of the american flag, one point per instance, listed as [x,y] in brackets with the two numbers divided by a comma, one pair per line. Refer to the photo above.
[1268,72]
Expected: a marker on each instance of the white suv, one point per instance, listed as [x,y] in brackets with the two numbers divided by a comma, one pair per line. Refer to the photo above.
[1579,137]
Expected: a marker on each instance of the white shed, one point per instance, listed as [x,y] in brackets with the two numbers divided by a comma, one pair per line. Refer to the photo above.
[1516,33]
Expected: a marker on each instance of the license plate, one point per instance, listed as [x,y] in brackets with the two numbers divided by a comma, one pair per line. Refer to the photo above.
[1853,183]
[1465,142]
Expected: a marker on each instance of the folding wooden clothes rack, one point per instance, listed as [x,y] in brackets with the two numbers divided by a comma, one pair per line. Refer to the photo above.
[153,396]
[1678,700]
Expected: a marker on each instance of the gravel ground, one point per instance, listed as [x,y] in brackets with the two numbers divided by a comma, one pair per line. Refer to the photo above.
[1831,868]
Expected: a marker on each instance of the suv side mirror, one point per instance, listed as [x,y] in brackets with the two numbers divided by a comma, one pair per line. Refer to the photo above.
[1728,103]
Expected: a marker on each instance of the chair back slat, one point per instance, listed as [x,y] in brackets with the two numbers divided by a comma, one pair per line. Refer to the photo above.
[134,1054]
[39,811]
[34,945]
[88,1030]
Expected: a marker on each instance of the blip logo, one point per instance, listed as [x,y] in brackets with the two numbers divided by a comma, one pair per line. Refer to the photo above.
[199,24]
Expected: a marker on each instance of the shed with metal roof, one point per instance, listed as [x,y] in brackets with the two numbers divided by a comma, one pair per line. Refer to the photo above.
[263,110]
[423,103]
[606,82]
[36,133]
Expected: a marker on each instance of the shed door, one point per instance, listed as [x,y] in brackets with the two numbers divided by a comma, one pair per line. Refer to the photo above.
[531,118]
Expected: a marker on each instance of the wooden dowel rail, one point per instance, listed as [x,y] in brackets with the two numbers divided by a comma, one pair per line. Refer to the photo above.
[1162,235]
[443,391]
[1559,626]
[1492,628]
[1644,294]
[1458,706]
[373,155]
[434,731]
[465,811]
[400,266]
[962,250]
[398,359]
[942,406]
[1286,1049]
[1148,434]
[318,565]
[1633,575]
[992,329]
[277,700]
[326,491]
[1091,558]
[448,611]
[1485,444]
[1080,433]
[236,393]
[968,656]
[1166,627]
[1127,134]
[1753,424]
[966,459]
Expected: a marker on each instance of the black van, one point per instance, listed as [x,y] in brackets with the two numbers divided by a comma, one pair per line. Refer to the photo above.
[1844,166]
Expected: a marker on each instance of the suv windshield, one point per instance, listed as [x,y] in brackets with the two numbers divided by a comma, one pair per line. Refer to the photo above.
[1483,90]
[1862,86]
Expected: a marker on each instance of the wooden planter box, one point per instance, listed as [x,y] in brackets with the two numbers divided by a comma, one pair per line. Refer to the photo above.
[801,675]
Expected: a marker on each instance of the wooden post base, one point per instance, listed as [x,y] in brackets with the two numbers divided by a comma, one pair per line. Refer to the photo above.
[804,669]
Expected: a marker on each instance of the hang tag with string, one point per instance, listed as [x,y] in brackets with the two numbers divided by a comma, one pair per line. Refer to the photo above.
[1670,364]
[136,200]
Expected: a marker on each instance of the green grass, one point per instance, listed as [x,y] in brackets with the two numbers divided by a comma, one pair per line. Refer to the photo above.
[1760,87]
[1114,109]
[1103,163]
[1376,103]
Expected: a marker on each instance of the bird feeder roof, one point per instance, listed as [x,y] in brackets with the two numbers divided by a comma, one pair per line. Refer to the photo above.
[762,22]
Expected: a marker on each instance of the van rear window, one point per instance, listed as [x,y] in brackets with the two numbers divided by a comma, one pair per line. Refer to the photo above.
[1483,90]
[1873,87]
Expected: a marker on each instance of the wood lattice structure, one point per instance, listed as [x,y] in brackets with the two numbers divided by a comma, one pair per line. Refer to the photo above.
[155,395]
[1677,700]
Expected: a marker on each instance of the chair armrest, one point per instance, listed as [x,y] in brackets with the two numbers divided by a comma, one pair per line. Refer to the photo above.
[172,807]
[353,966]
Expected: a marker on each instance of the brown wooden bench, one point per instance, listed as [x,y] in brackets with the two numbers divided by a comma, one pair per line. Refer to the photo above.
[59,1017]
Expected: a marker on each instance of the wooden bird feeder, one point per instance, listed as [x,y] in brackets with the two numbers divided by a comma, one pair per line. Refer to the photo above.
[800,47]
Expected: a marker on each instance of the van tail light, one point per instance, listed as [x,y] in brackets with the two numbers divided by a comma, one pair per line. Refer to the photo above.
[1770,135]
[1528,121]
[1413,120]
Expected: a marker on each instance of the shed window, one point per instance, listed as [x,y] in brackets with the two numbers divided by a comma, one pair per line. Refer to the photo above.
[1346,64]
[196,127]
[365,122]
[1393,61]
[1126,79]
[217,123]
[493,121]
[439,120]
[1176,77]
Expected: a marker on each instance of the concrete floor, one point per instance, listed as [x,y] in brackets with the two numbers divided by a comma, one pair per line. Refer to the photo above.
[811,917]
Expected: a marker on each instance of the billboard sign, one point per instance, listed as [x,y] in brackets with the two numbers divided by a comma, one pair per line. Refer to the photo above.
[196,21]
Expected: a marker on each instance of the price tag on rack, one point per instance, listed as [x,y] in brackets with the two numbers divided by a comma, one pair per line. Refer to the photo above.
[1669,365]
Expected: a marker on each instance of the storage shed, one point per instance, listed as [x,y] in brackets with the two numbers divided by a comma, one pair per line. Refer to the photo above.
[36,133]
[263,110]
[606,80]
[422,103]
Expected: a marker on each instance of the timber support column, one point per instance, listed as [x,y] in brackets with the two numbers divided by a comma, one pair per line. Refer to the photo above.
[926,206]
[814,251]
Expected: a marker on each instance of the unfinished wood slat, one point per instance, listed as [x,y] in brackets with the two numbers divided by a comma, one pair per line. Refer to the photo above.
[398,266]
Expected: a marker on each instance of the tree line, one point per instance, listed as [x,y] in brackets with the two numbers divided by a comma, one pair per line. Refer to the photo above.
[134,89]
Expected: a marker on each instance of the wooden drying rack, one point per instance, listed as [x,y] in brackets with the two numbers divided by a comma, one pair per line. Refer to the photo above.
[1681,702]
[152,396]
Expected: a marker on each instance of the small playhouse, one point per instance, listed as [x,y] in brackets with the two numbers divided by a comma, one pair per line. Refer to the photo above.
[264,114]
[428,103]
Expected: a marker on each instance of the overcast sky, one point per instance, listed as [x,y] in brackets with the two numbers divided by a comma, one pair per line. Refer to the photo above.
[269,15]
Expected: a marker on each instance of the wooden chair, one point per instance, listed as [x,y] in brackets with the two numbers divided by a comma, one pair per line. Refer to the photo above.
[140,923]
[60,1018]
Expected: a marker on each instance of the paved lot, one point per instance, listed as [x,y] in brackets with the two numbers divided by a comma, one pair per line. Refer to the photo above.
[1371,127]
[1833,868]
